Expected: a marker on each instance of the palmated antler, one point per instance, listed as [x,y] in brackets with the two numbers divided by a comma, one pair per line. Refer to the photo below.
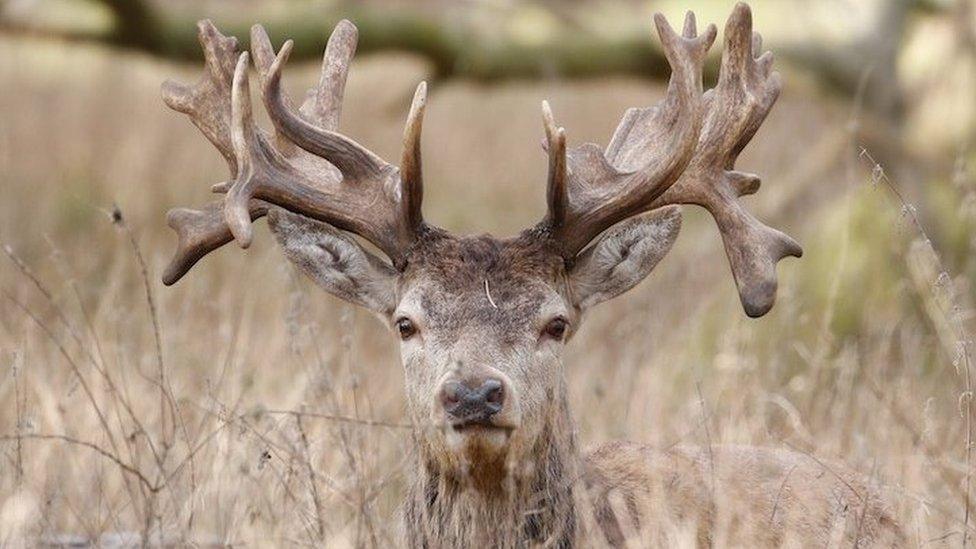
[587,192]
[327,177]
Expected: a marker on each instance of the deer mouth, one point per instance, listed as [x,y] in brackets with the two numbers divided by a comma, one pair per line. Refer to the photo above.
[479,425]
[481,436]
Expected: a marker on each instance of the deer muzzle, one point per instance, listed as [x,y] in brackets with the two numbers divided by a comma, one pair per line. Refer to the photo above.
[472,402]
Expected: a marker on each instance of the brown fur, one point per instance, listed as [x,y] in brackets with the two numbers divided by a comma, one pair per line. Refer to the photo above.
[769,498]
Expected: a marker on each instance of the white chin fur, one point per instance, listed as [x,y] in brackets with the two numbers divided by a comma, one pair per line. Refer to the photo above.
[478,440]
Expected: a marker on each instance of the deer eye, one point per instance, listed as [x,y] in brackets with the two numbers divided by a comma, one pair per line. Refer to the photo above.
[556,328]
[406,328]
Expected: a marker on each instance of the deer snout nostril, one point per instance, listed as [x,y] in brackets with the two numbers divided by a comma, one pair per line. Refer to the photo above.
[452,394]
[494,394]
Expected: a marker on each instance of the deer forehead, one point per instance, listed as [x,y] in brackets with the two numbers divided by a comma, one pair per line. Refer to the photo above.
[482,283]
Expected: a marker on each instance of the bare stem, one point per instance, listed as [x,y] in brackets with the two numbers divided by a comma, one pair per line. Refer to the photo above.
[127,468]
[959,333]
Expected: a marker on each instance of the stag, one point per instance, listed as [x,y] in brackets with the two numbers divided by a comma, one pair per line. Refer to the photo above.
[483,321]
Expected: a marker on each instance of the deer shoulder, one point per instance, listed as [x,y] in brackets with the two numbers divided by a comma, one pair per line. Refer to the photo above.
[733,495]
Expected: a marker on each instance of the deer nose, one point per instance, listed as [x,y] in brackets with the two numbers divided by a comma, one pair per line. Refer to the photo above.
[468,402]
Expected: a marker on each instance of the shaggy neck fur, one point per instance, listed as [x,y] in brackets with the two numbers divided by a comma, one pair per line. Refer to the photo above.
[530,503]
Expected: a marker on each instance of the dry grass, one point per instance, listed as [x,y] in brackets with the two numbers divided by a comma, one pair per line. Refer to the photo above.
[242,406]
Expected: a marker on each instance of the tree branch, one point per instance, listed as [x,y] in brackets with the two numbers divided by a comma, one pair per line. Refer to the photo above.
[136,24]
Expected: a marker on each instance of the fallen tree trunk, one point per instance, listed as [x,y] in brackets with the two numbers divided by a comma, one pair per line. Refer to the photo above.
[452,50]
[456,51]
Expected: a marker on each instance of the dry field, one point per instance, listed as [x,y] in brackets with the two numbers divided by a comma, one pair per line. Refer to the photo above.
[242,406]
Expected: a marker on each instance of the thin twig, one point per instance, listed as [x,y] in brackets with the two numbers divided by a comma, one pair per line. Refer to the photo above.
[132,470]
[708,437]
[313,485]
[342,419]
[154,318]
[779,493]
[827,468]
[19,406]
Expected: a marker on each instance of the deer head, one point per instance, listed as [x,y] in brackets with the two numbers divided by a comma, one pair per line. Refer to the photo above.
[482,321]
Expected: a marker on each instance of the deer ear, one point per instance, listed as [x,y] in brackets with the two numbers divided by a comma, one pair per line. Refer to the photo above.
[335,261]
[623,256]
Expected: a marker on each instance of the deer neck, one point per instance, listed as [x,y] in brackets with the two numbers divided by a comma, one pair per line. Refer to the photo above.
[524,501]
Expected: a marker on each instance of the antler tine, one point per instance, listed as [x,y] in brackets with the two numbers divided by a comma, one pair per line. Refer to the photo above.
[352,159]
[556,196]
[200,232]
[736,107]
[261,49]
[591,190]
[686,54]
[690,29]
[264,55]
[244,137]
[208,101]
[411,173]
[746,79]
[323,106]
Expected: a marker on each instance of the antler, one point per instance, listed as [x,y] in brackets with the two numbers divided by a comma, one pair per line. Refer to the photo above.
[589,191]
[327,177]
[746,91]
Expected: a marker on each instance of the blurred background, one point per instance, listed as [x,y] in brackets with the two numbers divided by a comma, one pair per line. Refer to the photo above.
[244,406]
